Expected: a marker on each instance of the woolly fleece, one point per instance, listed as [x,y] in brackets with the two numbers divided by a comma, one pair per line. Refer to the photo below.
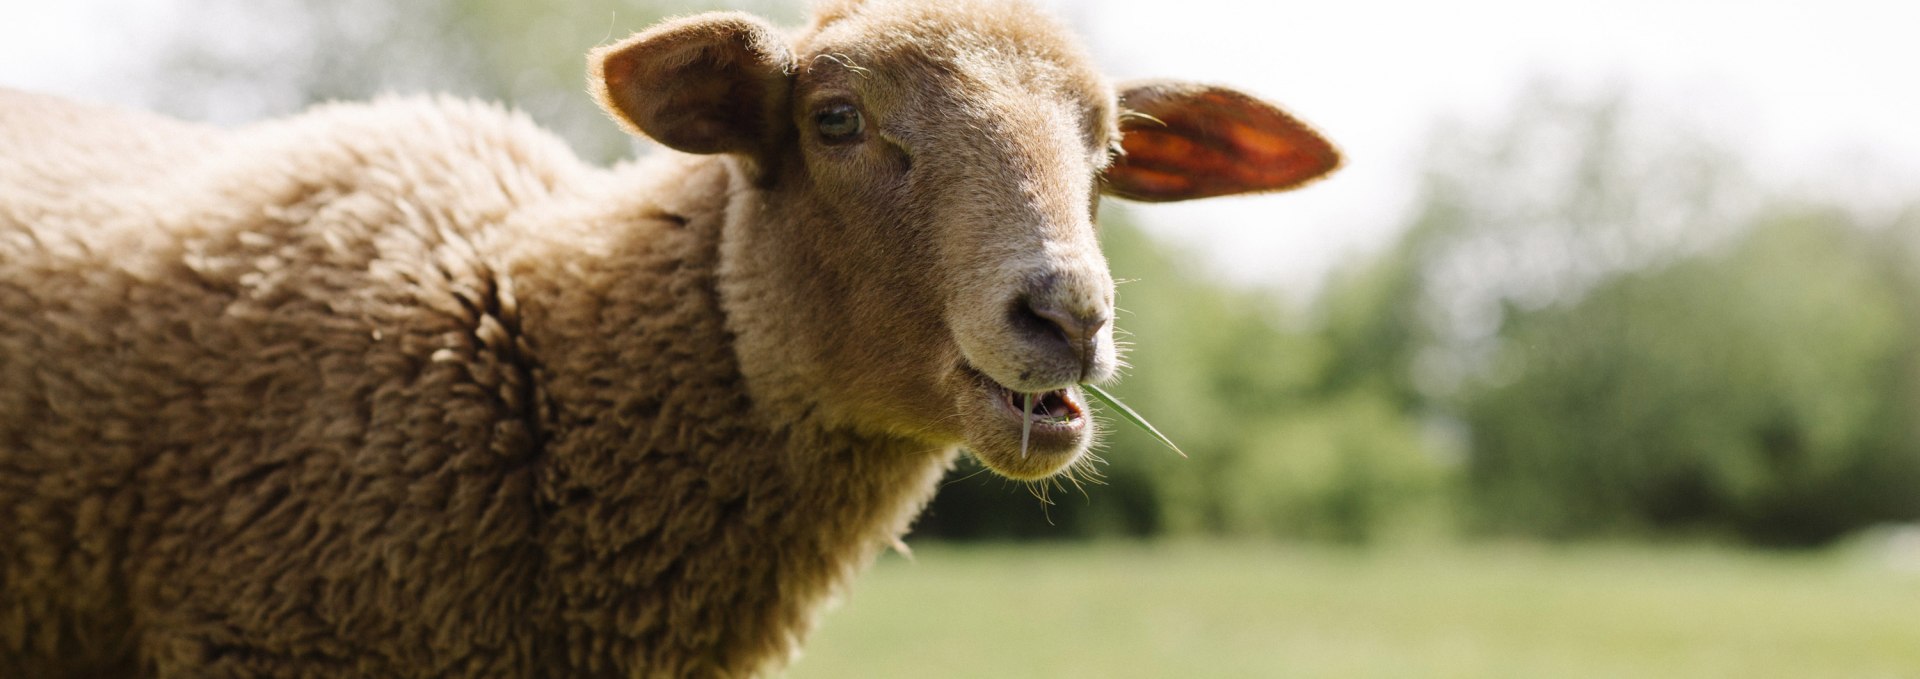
[272,408]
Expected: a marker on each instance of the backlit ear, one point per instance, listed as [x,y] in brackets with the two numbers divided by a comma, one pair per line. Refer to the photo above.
[1184,141]
[709,83]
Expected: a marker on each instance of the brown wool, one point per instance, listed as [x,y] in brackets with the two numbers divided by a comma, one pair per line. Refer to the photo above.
[404,389]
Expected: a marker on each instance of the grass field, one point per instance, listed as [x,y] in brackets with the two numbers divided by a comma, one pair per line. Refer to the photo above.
[1205,610]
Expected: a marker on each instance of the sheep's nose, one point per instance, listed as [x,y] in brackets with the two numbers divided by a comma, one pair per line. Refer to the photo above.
[1076,328]
[1068,330]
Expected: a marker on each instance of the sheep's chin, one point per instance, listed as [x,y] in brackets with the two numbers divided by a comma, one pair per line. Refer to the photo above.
[992,426]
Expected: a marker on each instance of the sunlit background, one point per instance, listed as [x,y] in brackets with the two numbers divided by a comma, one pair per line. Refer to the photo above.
[1601,357]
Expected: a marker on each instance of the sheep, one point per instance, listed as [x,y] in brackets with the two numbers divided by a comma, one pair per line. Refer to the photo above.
[404,389]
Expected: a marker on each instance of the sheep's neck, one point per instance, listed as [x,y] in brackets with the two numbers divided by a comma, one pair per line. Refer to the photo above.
[683,532]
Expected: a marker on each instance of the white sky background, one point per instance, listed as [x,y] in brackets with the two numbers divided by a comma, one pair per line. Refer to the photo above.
[1823,97]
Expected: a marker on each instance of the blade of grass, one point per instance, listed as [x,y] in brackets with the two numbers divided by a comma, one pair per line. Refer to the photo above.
[1130,416]
[1026,425]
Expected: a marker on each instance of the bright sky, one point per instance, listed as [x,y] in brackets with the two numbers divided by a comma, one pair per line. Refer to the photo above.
[1824,96]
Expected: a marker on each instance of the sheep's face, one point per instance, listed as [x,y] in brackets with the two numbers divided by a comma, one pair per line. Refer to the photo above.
[973,179]
[939,165]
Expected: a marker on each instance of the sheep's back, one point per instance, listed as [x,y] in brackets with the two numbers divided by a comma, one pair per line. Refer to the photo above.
[237,364]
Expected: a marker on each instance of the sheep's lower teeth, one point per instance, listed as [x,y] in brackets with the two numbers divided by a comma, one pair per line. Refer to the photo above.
[1049,408]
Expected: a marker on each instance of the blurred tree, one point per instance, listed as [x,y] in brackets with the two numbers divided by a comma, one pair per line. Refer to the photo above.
[1638,339]
[1767,391]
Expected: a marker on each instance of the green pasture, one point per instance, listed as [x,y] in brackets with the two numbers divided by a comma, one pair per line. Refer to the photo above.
[1249,610]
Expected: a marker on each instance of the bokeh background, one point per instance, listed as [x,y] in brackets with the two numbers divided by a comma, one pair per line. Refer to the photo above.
[1601,357]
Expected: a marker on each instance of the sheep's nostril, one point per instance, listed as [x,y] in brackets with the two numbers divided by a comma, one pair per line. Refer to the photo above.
[1029,322]
[1074,331]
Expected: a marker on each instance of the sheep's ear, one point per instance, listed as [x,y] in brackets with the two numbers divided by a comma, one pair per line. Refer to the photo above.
[1185,141]
[708,83]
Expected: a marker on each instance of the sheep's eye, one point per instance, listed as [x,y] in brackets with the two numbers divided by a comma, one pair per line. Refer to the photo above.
[839,124]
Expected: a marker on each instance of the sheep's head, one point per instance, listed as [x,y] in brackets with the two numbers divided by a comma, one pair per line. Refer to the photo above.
[936,167]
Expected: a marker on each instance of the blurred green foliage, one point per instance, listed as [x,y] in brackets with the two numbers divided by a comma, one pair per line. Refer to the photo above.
[1639,340]
[1767,390]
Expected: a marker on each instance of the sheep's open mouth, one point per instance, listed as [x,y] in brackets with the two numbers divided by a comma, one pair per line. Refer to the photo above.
[1057,411]
[1060,411]
[1022,442]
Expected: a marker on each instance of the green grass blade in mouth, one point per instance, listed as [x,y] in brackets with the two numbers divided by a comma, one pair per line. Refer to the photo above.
[1026,425]
[1127,414]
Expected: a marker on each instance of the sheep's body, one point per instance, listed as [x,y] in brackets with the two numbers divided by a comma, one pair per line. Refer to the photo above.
[393,390]
[404,389]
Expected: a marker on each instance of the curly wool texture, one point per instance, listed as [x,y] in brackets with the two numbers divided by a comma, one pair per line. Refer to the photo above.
[397,389]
